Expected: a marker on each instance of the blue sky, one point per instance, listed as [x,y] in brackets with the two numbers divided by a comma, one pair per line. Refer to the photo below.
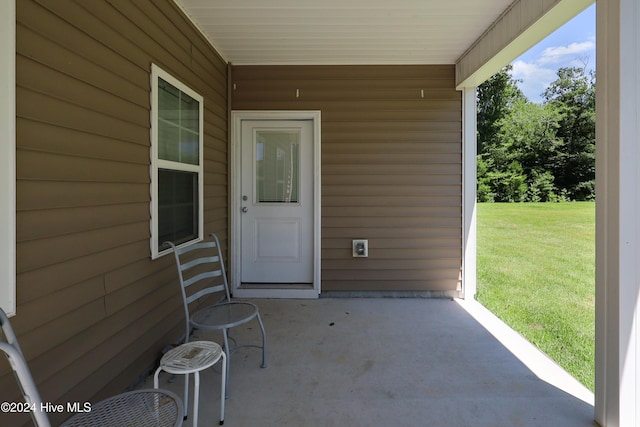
[573,44]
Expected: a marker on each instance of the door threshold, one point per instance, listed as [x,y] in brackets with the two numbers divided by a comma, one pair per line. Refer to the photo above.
[276,286]
[276,290]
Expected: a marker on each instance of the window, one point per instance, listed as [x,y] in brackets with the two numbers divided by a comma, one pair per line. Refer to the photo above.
[176,169]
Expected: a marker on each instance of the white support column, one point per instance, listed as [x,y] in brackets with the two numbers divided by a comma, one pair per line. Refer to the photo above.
[469,191]
[618,214]
[8,156]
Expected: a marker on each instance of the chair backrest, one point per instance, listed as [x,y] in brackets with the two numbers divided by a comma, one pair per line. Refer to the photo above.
[200,271]
[9,345]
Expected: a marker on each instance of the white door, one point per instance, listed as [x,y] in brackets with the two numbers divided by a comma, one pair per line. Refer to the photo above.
[277,203]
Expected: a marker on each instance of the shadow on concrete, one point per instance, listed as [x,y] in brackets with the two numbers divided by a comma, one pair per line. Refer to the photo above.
[385,362]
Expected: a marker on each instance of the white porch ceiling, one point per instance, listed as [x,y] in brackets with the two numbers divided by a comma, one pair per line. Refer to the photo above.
[343,32]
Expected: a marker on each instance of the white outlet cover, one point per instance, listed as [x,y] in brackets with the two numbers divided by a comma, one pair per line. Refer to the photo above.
[355,243]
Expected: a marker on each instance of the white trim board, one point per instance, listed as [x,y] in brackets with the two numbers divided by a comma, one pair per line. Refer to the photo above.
[8,156]
[617,382]
[469,192]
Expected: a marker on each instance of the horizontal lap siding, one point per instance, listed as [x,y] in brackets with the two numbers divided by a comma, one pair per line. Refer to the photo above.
[391,168]
[93,310]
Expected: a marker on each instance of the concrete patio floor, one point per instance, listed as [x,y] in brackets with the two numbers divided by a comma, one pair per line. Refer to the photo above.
[388,362]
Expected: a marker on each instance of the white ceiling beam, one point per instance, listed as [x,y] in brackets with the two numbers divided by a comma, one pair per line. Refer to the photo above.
[520,27]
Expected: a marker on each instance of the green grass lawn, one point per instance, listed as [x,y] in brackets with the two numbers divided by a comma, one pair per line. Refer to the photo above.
[536,271]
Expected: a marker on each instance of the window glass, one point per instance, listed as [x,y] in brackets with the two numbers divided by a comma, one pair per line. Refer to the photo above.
[177,206]
[178,123]
[277,168]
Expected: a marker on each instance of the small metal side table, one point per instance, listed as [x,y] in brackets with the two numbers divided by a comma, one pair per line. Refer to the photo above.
[191,358]
[140,408]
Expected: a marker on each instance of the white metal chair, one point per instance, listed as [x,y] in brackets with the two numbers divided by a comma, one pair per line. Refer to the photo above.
[201,272]
[139,407]
[12,350]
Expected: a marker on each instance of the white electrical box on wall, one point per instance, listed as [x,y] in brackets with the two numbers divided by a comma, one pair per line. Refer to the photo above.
[360,248]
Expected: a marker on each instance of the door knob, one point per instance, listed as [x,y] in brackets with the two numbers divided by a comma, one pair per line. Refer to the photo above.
[245,209]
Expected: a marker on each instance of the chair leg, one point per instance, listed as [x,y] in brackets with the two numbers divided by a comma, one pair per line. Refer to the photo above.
[264,343]
[155,377]
[223,386]
[185,408]
[156,385]
[228,361]
[186,397]
[196,397]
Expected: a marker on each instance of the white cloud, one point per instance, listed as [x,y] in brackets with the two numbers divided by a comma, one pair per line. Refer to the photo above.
[559,54]
[532,70]
[538,72]
[535,78]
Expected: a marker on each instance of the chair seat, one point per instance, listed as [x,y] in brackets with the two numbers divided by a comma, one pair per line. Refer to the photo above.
[224,316]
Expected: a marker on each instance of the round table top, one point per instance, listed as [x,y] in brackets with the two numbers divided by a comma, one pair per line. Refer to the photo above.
[191,357]
[139,408]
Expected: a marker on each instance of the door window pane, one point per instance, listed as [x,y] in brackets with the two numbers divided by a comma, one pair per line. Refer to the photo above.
[277,166]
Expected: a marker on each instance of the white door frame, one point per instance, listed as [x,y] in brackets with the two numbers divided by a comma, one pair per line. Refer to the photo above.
[237,117]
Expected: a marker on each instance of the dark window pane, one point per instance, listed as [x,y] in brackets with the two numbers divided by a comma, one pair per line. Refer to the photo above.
[189,113]
[168,134]
[168,102]
[177,206]
[179,125]
[189,143]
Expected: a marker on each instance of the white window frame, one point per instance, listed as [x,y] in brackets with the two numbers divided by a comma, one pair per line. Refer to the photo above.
[8,156]
[157,163]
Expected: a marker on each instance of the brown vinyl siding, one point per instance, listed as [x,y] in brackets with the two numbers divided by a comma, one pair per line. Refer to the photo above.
[93,310]
[391,168]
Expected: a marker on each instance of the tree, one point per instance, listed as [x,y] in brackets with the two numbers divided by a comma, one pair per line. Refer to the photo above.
[573,94]
[529,134]
[495,97]
[537,152]
[527,138]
